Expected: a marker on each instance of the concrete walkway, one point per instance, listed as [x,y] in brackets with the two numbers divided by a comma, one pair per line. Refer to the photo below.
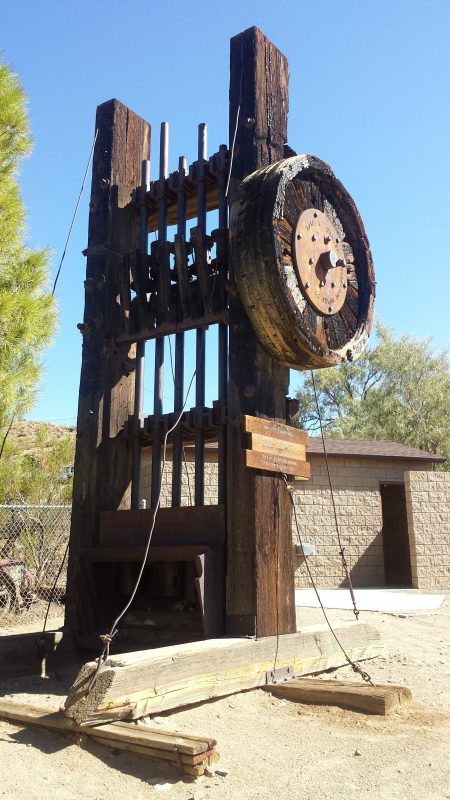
[389,601]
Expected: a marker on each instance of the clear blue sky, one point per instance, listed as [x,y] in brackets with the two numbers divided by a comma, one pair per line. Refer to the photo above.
[369,93]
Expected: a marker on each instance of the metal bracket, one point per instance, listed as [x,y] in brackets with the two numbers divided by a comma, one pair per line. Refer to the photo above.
[280,675]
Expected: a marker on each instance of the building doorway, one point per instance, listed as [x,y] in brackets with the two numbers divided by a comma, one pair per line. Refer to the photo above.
[397,557]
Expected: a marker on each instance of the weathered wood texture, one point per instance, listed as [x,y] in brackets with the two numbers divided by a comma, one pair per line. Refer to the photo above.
[275,447]
[380,699]
[194,535]
[136,684]
[176,526]
[276,430]
[263,247]
[260,588]
[272,462]
[190,754]
[103,457]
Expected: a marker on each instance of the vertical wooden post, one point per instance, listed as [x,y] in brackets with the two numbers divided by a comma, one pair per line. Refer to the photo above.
[103,457]
[260,575]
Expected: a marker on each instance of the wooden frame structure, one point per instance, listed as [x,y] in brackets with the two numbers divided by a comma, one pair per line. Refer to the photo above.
[239,552]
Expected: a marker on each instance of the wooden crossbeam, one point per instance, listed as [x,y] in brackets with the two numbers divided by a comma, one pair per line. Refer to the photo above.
[133,685]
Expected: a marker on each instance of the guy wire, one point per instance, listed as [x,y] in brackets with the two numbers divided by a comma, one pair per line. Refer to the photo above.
[75,211]
[355,667]
[341,549]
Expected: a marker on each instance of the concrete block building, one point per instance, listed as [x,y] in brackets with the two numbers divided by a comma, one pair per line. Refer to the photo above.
[392,508]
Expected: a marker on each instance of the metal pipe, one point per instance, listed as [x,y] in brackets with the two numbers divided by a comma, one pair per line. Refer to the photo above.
[222,263]
[179,350]
[140,348]
[201,333]
[159,344]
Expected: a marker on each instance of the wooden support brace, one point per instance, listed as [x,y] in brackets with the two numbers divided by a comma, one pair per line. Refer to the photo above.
[360,696]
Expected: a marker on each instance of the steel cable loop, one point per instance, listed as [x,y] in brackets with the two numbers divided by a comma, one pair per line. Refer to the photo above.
[355,667]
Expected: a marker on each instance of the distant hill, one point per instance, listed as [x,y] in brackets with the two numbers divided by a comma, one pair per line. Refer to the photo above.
[25,433]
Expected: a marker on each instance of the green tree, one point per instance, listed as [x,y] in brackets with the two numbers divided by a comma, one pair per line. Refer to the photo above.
[27,309]
[39,473]
[397,390]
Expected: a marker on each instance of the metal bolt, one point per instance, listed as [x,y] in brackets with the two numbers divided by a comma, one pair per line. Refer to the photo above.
[299,236]
[315,213]
[330,309]
[344,285]
[311,261]
[327,238]
[249,122]
[315,237]
[321,283]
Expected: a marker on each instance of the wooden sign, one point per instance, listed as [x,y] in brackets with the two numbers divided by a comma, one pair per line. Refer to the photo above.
[275,447]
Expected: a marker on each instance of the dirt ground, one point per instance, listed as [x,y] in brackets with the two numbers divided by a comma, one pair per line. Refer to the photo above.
[271,749]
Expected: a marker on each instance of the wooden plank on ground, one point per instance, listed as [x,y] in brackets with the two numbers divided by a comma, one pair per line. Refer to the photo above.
[190,753]
[358,696]
[133,685]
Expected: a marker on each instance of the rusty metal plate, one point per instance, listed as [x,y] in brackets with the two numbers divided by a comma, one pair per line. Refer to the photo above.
[319,258]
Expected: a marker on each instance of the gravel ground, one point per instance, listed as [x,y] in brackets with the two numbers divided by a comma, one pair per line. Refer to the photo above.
[269,748]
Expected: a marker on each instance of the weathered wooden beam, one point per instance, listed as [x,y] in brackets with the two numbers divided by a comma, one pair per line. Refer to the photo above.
[133,685]
[380,699]
[102,473]
[260,574]
[189,753]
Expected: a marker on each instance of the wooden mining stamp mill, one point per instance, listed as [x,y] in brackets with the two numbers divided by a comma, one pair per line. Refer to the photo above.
[248,262]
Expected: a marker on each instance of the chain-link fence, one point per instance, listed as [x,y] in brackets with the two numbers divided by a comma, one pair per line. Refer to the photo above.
[33,543]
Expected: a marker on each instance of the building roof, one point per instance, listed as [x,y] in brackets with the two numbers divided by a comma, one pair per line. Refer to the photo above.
[368,448]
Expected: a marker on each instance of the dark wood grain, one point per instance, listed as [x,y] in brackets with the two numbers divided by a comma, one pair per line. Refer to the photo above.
[260,592]
[103,457]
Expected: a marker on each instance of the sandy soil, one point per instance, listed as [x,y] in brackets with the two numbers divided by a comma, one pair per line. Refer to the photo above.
[271,748]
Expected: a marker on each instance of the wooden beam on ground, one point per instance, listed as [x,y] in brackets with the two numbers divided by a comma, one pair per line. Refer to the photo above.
[358,696]
[191,754]
[134,685]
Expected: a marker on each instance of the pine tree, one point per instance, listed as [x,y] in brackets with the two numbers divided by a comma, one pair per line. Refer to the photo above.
[27,309]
